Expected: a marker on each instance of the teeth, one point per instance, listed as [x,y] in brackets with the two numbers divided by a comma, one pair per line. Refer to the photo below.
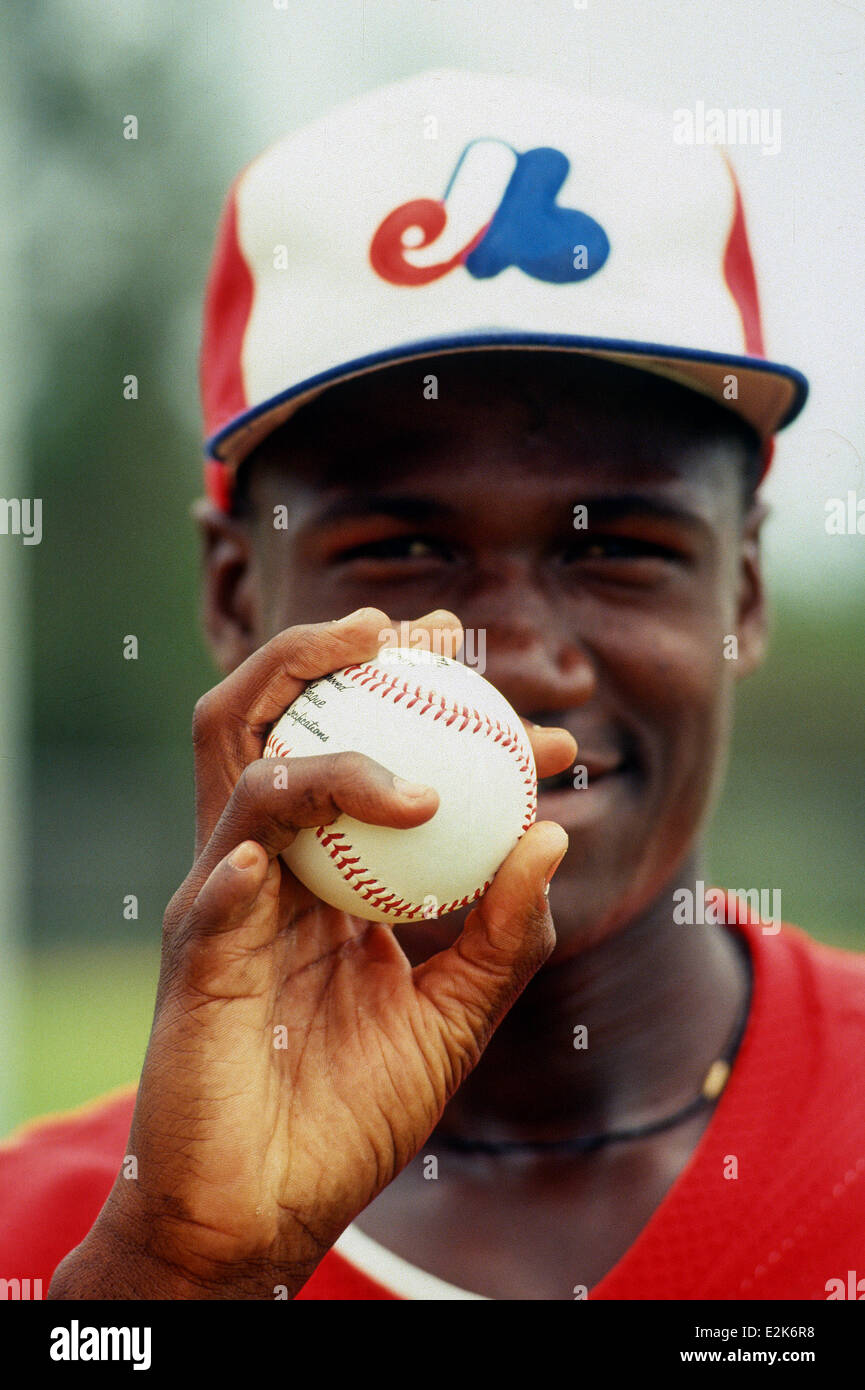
[554,784]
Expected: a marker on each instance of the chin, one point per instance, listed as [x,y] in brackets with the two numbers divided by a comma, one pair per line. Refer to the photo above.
[589,909]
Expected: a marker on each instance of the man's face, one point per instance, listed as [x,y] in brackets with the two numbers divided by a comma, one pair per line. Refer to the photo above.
[615,630]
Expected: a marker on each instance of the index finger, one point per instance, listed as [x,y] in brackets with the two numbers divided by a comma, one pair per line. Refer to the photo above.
[232,721]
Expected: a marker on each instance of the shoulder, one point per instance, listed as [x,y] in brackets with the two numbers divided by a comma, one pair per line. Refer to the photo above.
[55,1174]
[800,970]
[835,975]
[802,1049]
[94,1121]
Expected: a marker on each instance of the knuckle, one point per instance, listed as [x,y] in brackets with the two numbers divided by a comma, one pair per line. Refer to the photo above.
[308,798]
[351,769]
[303,801]
[308,805]
[520,942]
[176,930]
[175,910]
[320,647]
[203,718]
[302,648]
[252,787]
[181,902]
[546,937]
[539,936]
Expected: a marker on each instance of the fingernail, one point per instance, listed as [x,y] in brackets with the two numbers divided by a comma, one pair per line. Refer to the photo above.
[243,857]
[412,790]
[350,617]
[442,615]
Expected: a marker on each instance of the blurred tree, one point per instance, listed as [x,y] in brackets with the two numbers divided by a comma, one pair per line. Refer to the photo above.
[118,237]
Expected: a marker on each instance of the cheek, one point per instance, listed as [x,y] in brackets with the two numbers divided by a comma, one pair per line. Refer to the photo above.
[671,689]
[675,667]
[671,673]
[402,594]
[291,593]
[292,590]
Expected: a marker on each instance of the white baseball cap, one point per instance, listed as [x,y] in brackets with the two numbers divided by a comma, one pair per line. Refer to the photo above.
[456,212]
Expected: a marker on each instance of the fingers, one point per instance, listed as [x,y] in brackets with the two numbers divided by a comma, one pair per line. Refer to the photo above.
[442,626]
[230,892]
[232,721]
[240,894]
[554,749]
[274,798]
[505,940]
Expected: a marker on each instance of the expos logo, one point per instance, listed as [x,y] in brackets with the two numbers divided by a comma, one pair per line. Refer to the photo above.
[513,195]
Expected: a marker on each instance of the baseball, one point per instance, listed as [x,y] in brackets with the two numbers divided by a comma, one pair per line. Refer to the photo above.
[427,719]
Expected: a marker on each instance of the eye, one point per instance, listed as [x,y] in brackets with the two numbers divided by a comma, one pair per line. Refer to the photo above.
[619,548]
[397,548]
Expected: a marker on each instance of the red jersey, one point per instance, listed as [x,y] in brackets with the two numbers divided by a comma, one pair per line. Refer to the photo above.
[770,1206]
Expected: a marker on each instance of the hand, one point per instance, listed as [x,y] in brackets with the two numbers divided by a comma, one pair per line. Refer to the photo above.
[297,1062]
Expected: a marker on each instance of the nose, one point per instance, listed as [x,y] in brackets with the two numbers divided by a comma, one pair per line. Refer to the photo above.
[532,657]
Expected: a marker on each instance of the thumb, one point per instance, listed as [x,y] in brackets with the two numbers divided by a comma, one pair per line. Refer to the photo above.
[505,940]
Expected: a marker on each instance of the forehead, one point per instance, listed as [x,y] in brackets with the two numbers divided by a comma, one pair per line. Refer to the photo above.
[475,420]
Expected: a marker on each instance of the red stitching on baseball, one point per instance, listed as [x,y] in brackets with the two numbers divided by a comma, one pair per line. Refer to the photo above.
[376,893]
[275,748]
[388,687]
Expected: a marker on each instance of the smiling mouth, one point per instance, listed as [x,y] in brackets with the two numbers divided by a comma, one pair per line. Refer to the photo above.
[596,771]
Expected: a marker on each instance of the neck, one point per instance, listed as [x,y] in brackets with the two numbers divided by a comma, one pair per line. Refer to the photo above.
[660,1002]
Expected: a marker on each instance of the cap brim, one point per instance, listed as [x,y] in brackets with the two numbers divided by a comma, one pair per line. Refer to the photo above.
[768,395]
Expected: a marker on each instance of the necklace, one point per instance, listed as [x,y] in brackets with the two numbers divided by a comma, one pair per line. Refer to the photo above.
[713,1084]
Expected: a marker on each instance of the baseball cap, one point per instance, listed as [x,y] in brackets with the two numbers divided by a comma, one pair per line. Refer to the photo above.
[455,212]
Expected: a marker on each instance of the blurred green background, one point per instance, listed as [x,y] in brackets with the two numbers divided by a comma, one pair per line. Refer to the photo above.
[113,238]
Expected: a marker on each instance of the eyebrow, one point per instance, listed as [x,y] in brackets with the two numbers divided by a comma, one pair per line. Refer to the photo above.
[615,507]
[375,504]
[417,509]
[619,507]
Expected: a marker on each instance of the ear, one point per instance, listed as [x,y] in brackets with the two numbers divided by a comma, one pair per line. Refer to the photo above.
[752,618]
[229,609]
